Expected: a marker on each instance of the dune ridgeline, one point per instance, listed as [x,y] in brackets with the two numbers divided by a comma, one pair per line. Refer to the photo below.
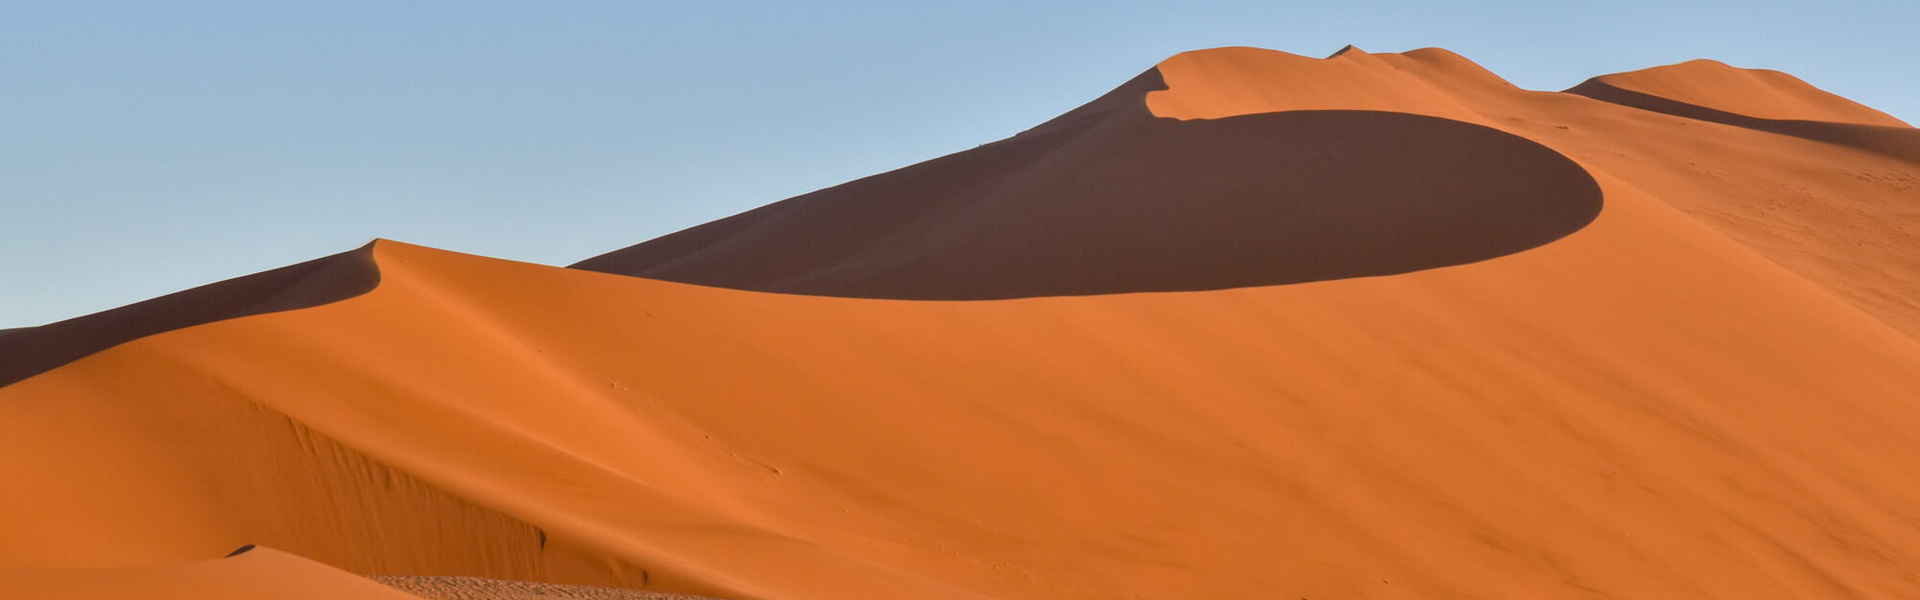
[1251,325]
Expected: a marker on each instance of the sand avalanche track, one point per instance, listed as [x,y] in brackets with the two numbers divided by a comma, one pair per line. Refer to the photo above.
[1415,333]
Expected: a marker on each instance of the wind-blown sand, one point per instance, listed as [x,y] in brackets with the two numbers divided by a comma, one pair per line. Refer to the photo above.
[1705,390]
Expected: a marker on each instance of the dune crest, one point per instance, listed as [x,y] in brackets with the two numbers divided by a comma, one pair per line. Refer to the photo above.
[25,352]
[1842,219]
[1755,93]
[1136,192]
[667,437]
[1233,81]
[1702,388]
[1258,200]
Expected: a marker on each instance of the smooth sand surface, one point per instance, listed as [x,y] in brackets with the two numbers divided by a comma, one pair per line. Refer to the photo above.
[1708,391]
[28,351]
[257,573]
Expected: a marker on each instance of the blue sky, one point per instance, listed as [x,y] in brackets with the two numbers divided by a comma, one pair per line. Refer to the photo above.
[151,147]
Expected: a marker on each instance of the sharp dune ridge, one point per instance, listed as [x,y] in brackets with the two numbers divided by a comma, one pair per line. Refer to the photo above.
[1898,143]
[1851,228]
[25,352]
[1088,210]
[1251,325]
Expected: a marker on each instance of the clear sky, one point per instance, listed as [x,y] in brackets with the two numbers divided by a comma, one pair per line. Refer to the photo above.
[150,147]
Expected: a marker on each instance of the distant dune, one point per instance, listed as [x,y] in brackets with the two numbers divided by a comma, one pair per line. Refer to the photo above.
[1253,325]
[1752,93]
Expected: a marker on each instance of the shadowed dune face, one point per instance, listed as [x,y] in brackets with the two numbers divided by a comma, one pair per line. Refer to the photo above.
[30,351]
[1893,142]
[1087,206]
[1811,180]
[1621,413]
[1756,93]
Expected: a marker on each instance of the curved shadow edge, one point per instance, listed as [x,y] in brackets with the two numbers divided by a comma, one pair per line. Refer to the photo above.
[1122,201]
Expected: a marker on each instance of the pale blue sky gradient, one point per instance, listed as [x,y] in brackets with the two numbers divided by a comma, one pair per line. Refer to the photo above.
[154,146]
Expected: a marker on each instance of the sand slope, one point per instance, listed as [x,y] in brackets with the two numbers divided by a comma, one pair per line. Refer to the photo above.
[1834,200]
[1754,93]
[25,352]
[257,573]
[1688,396]
[481,588]
[1085,205]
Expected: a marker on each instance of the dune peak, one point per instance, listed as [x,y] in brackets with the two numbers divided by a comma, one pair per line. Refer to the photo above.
[1412,353]
[1346,50]
[1695,86]
[29,351]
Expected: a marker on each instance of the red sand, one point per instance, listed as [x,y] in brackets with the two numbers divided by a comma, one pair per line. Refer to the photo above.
[1706,392]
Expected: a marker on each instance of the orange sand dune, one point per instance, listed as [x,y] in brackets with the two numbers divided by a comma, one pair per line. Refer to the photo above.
[1713,92]
[28,351]
[1832,201]
[1707,391]
[256,573]
[1756,93]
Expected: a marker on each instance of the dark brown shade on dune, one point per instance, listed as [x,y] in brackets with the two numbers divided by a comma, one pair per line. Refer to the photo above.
[1707,391]
[1111,199]
[1892,142]
[30,351]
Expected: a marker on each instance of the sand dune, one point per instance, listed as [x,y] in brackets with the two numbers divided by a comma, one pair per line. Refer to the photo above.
[257,573]
[1087,208]
[1754,93]
[25,352]
[1705,390]
[1883,135]
[1843,217]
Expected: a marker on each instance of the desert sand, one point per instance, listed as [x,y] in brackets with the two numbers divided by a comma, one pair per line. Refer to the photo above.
[1253,325]
[480,588]
[256,573]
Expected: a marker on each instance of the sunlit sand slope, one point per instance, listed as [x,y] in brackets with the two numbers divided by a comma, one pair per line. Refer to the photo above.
[1705,389]
[1824,186]
[1600,413]
[257,573]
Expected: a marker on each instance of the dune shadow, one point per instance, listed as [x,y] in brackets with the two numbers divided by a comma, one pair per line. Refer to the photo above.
[1892,142]
[1111,199]
[30,351]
